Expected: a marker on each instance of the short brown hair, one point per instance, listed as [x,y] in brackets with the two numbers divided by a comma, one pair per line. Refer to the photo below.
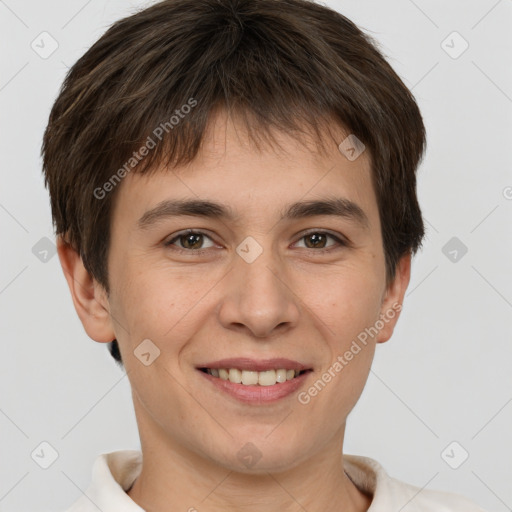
[283,64]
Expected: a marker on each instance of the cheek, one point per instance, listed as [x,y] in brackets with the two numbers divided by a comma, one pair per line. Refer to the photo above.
[345,301]
[345,313]
[159,302]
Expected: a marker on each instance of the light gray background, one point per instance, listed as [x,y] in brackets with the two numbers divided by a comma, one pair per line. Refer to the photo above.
[443,377]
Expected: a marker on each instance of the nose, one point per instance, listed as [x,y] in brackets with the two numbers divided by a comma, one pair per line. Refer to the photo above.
[259,298]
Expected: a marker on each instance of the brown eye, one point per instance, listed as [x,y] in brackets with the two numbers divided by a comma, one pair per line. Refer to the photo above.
[192,241]
[315,240]
[318,240]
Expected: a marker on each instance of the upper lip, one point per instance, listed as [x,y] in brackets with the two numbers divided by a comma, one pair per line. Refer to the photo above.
[258,365]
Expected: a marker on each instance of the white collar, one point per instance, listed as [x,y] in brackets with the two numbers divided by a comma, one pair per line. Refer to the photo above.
[114,473]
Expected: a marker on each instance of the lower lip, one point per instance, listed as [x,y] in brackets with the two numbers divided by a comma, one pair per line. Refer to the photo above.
[258,394]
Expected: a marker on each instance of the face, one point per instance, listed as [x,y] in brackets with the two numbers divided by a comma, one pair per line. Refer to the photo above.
[272,289]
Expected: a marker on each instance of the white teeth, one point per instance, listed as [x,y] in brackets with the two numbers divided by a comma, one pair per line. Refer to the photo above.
[281,375]
[249,378]
[252,378]
[235,375]
[267,378]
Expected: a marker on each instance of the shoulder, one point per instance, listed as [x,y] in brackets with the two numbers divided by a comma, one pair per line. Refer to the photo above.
[390,494]
[429,500]
[112,474]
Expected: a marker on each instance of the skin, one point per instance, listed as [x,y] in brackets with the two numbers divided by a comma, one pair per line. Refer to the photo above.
[295,301]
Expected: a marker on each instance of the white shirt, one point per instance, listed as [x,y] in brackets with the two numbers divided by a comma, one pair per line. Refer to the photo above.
[114,473]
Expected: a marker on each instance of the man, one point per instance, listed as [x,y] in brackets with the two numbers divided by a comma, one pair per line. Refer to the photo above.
[234,192]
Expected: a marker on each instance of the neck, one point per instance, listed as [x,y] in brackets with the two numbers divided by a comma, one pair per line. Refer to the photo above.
[173,477]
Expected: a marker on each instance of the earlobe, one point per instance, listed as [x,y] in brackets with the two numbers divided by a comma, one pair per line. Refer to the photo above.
[393,298]
[89,298]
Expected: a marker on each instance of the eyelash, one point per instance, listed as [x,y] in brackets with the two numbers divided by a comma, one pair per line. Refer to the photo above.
[342,242]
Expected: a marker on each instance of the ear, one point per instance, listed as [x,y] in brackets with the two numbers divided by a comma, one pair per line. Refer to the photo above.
[89,297]
[393,298]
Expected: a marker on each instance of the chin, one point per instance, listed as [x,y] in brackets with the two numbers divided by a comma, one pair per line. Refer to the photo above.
[260,455]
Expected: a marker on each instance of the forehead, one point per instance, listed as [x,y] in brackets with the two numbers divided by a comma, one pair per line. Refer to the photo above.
[233,176]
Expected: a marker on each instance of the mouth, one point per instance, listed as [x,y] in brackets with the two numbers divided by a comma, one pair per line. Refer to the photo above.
[256,381]
[253,377]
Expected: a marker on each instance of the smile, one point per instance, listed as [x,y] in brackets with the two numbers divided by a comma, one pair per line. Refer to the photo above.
[253,378]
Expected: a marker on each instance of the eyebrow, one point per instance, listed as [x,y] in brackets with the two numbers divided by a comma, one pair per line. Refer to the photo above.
[335,206]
